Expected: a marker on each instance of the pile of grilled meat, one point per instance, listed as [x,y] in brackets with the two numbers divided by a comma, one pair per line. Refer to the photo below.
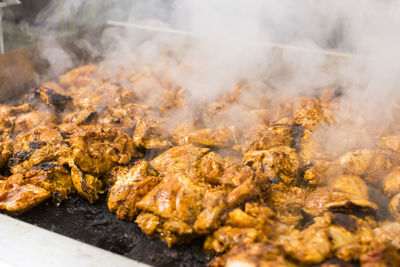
[251,172]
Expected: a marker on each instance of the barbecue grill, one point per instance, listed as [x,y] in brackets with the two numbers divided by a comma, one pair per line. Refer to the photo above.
[93,224]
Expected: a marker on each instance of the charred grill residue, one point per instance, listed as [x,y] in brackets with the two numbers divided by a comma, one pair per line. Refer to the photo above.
[36,145]
[297,132]
[344,220]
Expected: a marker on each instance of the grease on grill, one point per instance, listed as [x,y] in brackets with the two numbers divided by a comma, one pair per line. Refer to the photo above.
[95,225]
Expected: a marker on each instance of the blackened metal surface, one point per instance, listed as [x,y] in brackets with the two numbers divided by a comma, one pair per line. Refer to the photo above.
[95,225]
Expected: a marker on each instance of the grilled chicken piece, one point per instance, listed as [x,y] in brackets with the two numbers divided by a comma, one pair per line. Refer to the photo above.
[16,197]
[176,200]
[344,192]
[88,115]
[320,171]
[125,117]
[87,185]
[5,152]
[391,183]
[212,167]
[87,75]
[279,135]
[205,137]
[96,149]
[389,232]
[53,95]
[242,227]
[8,115]
[185,159]
[42,157]
[30,120]
[129,188]
[371,164]
[309,113]
[310,246]
[391,142]
[149,134]
[279,163]
[253,255]
[213,204]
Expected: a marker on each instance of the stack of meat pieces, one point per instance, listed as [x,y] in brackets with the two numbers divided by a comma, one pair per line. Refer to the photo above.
[250,172]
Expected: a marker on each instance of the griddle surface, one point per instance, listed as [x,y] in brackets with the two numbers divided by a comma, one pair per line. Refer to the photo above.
[95,225]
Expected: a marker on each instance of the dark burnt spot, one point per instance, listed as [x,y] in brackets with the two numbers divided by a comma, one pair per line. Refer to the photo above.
[36,145]
[117,121]
[90,117]
[65,135]
[297,132]
[275,180]
[58,100]
[84,187]
[19,156]
[306,221]
[46,165]
[344,220]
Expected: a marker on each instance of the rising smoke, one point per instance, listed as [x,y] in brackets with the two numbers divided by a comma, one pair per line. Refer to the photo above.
[234,44]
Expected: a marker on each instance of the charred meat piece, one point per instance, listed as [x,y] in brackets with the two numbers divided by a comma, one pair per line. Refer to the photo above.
[96,149]
[279,135]
[42,157]
[281,161]
[129,188]
[149,134]
[309,113]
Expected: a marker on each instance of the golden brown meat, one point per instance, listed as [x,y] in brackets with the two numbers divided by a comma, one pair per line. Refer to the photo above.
[96,149]
[205,137]
[310,246]
[42,156]
[371,164]
[129,188]
[279,135]
[344,192]
[251,255]
[279,163]
[176,200]
[150,134]
[185,158]
[242,227]
[30,120]
[16,198]
[309,113]
[391,183]
[83,76]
